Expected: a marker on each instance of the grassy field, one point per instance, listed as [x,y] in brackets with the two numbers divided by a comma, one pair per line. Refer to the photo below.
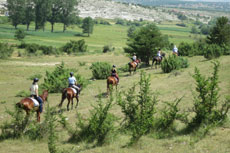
[14,74]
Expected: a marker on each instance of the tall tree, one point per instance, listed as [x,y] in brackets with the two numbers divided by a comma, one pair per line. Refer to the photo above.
[220,33]
[16,11]
[87,25]
[54,16]
[42,11]
[29,13]
[68,12]
[145,42]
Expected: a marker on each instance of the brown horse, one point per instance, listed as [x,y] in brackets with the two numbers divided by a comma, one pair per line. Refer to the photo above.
[70,95]
[133,65]
[28,105]
[157,60]
[111,81]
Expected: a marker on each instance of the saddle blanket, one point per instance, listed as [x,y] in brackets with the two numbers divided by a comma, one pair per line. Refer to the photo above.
[36,103]
[135,63]
[74,90]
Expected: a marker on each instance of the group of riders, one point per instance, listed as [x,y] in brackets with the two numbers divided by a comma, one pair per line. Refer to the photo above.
[73,81]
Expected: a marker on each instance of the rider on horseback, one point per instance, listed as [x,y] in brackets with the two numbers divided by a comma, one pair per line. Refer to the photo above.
[159,54]
[114,73]
[134,59]
[73,82]
[175,50]
[34,93]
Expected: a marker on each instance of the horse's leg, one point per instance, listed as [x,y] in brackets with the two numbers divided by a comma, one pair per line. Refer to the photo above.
[63,98]
[68,104]
[38,116]
[77,101]
[72,102]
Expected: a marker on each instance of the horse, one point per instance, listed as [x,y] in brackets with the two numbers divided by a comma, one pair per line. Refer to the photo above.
[133,65]
[28,105]
[111,81]
[70,95]
[175,53]
[157,60]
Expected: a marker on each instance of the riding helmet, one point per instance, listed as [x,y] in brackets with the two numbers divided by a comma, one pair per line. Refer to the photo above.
[114,65]
[36,79]
[71,73]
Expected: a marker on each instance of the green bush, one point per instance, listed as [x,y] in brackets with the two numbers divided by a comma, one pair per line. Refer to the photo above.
[57,80]
[20,34]
[207,107]
[138,109]
[124,68]
[74,47]
[108,48]
[99,126]
[173,62]
[213,51]
[100,70]
[48,50]
[185,49]
[32,48]
[5,51]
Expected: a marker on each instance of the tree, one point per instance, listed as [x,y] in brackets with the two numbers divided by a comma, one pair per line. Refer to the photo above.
[194,30]
[145,42]
[29,13]
[55,13]
[16,11]
[131,31]
[87,25]
[68,12]
[220,33]
[42,11]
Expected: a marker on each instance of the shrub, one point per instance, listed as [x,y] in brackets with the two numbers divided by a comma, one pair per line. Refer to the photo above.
[19,34]
[100,70]
[124,68]
[185,49]
[108,48]
[173,62]
[138,109]
[48,50]
[181,24]
[74,47]
[5,51]
[213,51]
[206,102]
[57,80]
[99,126]
[32,48]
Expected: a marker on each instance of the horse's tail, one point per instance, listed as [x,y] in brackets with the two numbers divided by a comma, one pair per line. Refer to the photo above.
[108,83]
[64,94]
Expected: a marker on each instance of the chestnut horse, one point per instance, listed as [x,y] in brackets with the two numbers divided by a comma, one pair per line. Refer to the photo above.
[157,60]
[70,95]
[28,105]
[111,81]
[133,65]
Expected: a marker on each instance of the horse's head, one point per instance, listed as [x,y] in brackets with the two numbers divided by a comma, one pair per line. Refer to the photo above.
[138,60]
[44,95]
[79,86]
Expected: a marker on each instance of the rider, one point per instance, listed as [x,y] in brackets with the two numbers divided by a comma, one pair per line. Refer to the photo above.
[159,54]
[114,73]
[34,93]
[73,82]
[175,50]
[134,58]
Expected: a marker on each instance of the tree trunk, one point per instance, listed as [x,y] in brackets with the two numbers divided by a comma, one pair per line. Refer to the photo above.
[52,27]
[28,25]
[64,28]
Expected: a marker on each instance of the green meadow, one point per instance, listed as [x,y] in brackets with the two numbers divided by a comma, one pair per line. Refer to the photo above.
[15,71]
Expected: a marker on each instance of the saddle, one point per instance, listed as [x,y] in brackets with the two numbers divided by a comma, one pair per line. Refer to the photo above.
[74,90]
[36,103]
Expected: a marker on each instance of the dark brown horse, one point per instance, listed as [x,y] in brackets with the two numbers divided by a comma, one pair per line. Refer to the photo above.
[111,81]
[28,105]
[133,65]
[70,95]
[157,60]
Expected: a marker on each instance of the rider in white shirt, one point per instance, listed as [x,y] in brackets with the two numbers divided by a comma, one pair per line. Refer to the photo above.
[175,50]
[34,93]
[159,53]
[73,82]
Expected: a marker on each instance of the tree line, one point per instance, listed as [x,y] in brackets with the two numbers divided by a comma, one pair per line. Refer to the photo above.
[42,11]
